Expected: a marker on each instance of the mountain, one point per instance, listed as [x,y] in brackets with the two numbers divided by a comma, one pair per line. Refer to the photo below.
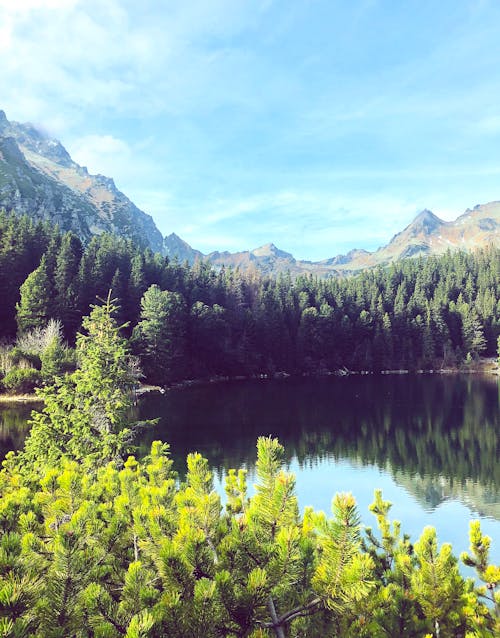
[433,491]
[429,235]
[176,248]
[426,235]
[267,259]
[39,178]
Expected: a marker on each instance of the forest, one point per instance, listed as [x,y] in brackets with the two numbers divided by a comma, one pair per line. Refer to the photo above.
[194,322]
[96,543]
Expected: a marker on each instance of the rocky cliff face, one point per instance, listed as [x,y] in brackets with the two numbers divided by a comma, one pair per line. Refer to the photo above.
[429,235]
[39,178]
[176,248]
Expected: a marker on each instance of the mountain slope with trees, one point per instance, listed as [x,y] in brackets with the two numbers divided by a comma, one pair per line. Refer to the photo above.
[427,235]
[39,178]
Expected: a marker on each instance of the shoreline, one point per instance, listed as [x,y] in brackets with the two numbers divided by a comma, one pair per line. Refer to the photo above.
[488,367]
[484,368]
[20,398]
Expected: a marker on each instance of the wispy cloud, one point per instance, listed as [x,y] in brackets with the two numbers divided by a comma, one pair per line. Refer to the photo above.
[119,56]
[308,224]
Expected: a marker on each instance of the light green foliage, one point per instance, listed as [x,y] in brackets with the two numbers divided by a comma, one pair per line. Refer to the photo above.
[343,575]
[489,575]
[55,358]
[94,547]
[38,356]
[420,591]
[22,380]
[474,341]
[85,413]
[130,552]
[44,345]
[126,552]
[437,585]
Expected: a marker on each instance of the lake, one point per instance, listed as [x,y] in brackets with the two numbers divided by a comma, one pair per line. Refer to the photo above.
[430,442]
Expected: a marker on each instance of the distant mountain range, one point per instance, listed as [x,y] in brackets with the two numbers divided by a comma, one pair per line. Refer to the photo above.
[426,235]
[39,178]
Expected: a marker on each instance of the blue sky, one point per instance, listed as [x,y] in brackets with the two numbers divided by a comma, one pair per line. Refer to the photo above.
[318,125]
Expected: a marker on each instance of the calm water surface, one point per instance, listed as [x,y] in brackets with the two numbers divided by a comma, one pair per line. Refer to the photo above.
[431,443]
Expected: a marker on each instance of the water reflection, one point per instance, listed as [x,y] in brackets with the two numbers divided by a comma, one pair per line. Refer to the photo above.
[437,436]
[13,426]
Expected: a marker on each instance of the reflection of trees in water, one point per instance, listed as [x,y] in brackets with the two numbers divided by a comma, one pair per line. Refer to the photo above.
[438,435]
[13,427]
[431,427]
[432,491]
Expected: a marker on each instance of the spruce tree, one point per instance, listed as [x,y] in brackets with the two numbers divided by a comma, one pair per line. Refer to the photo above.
[35,307]
[160,335]
[66,283]
[86,413]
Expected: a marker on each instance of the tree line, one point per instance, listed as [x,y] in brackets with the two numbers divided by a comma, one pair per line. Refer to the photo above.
[98,544]
[196,321]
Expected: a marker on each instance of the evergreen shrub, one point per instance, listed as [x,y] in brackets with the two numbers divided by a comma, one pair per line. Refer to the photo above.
[22,380]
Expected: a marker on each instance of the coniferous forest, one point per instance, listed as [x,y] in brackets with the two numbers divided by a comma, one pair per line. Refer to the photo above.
[97,544]
[195,321]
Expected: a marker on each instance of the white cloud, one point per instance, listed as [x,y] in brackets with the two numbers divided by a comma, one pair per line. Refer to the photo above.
[114,55]
[87,148]
[100,153]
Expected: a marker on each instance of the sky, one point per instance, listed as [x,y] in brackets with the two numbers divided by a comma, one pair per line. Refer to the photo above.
[318,125]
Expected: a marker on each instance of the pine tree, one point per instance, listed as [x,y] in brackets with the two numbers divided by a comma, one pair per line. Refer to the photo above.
[66,283]
[160,335]
[35,307]
[473,334]
[479,558]
[85,413]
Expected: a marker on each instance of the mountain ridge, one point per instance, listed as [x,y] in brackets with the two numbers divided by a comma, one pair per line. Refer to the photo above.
[426,235]
[38,177]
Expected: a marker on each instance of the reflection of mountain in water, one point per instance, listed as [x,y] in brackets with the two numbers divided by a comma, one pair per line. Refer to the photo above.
[438,435]
[430,492]
[442,428]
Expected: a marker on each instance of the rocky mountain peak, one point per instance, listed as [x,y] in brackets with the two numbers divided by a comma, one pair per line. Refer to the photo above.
[39,178]
[270,250]
[173,240]
[426,222]
[176,248]
[31,138]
